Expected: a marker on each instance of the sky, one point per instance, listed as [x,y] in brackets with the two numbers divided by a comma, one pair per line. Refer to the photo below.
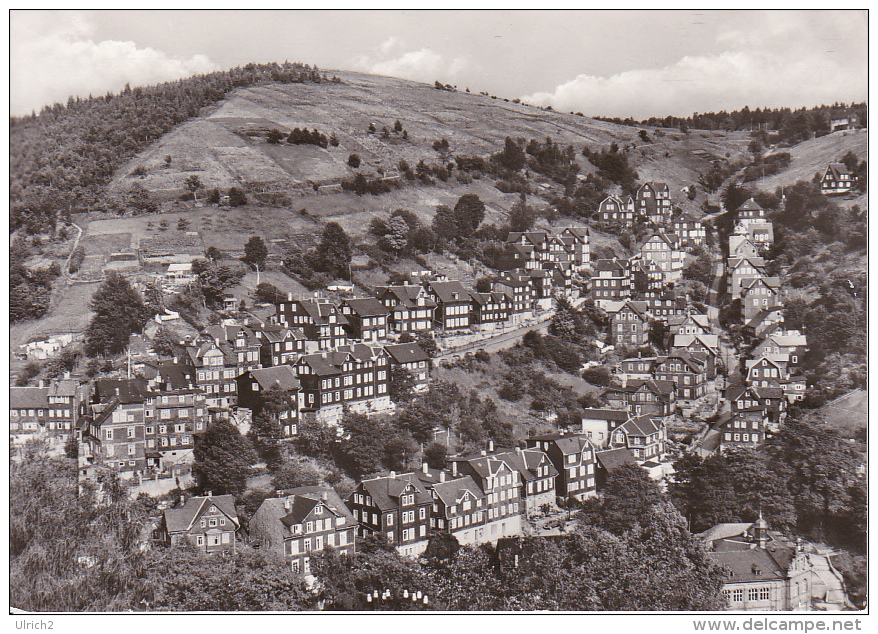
[601,63]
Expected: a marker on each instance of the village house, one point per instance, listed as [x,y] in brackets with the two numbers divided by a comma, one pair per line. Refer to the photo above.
[454,305]
[740,246]
[764,372]
[518,286]
[653,202]
[836,179]
[210,523]
[113,433]
[760,234]
[175,412]
[789,346]
[491,310]
[705,347]
[500,483]
[577,241]
[410,308]
[611,281]
[412,358]
[279,345]
[687,372]
[647,279]
[613,211]
[537,477]
[750,212]
[642,397]
[638,367]
[644,436]
[598,424]
[215,372]
[519,256]
[321,321]
[354,376]
[763,323]
[28,409]
[459,505]
[538,241]
[748,421]
[573,457]
[758,294]
[397,507]
[253,384]
[665,305]
[609,460]
[690,230]
[741,270]
[664,249]
[299,522]
[768,572]
[367,319]
[629,325]
[688,324]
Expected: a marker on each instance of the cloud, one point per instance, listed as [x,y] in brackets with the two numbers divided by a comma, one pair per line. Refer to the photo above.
[53,56]
[391,58]
[777,60]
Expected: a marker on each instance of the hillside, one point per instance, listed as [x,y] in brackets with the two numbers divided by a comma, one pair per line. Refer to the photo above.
[224,149]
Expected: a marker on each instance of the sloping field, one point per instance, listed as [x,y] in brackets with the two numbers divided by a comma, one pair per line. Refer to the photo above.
[850,412]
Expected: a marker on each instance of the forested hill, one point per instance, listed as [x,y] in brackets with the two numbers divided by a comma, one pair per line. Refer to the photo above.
[61,159]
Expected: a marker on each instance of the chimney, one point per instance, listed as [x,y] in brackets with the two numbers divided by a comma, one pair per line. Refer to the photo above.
[289,297]
[454,468]
[483,452]
[624,380]
[288,504]
[182,499]
[208,494]
[442,476]
[490,446]
[393,474]
[42,384]
[425,467]
[67,375]
[324,496]
[518,450]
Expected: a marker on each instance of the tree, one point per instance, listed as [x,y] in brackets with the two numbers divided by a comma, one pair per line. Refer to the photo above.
[255,252]
[165,341]
[223,458]
[397,238]
[521,217]
[628,496]
[193,184]
[397,127]
[434,455]
[119,313]
[658,333]
[237,198]
[214,198]
[469,213]
[402,384]
[214,254]
[269,293]
[275,136]
[512,157]
[428,344]
[71,447]
[445,223]
[334,250]
[295,474]
[354,160]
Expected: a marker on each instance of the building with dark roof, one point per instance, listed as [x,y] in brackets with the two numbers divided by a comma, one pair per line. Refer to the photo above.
[644,436]
[253,384]
[367,319]
[836,179]
[537,477]
[412,358]
[210,523]
[299,522]
[410,308]
[454,305]
[598,424]
[573,457]
[322,323]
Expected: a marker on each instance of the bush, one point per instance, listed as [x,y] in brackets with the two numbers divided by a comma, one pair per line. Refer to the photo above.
[354,160]
[597,376]
[76,259]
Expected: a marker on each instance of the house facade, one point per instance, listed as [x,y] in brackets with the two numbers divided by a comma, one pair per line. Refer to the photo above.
[410,308]
[836,179]
[210,523]
[322,323]
[664,249]
[573,456]
[367,319]
[611,281]
[454,305]
[644,436]
[630,324]
[252,386]
[412,358]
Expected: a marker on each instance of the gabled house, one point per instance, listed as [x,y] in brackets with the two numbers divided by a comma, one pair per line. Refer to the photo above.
[491,310]
[367,319]
[537,477]
[690,230]
[611,281]
[322,323]
[410,308]
[573,457]
[519,256]
[215,372]
[652,397]
[666,305]
[705,347]
[687,372]
[765,372]
[577,241]
[747,424]
[750,212]
[28,409]
[764,322]
[252,386]
[300,522]
[647,279]
[459,507]
[741,270]
[836,179]
[768,572]
[758,294]
[454,305]
[760,234]
[279,345]
[644,436]
[688,324]
[612,211]
[629,326]
[175,413]
[500,483]
[210,523]
[412,358]
[598,424]
[609,460]
[664,249]
[397,507]
[518,287]
[788,345]
[653,201]
[741,246]
[638,367]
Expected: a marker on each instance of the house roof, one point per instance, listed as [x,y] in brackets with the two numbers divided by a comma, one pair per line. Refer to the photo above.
[750,205]
[605,414]
[837,169]
[125,390]
[28,397]
[406,295]
[385,491]
[446,291]
[282,376]
[525,461]
[613,458]
[609,265]
[406,353]
[327,495]
[581,233]
[452,491]
[642,426]
[640,308]
[365,306]
[65,387]
[176,376]
[770,282]
[182,518]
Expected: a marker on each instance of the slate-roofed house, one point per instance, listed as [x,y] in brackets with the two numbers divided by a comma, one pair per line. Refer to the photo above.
[741,246]
[629,325]
[500,483]
[253,384]
[764,322]
[742,269]
[664,249]
[701,346]
[537,476]
[279,345]
[208,522]
[410,308]
[413,359]
[790,345]
[459,507]
[690,230]
[647,279]
[453,304]
[577,240]
[113,434]
[768,572]
[367,319]
[598,424]
[653,201]
[491,310]
[518,286]
[573,456]
[322,322]
[28,409]
[653,397]
[611,281]
[747,425]
[609,460]
[836,179]
[215,371]
[750,212]
[398,507]
[758,294]
[644,436]
[612,211]
[175,412]
[302,521]
[686,371]
[765,372]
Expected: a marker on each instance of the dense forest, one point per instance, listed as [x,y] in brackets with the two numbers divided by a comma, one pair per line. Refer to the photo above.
[60,160]
[790,126]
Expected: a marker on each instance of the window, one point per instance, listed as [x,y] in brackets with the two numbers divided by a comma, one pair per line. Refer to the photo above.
[422,513]
[212,521]
[309,527]
[200,540]
[389,519]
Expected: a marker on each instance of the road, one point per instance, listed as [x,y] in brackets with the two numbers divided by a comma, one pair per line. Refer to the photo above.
[497,342]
